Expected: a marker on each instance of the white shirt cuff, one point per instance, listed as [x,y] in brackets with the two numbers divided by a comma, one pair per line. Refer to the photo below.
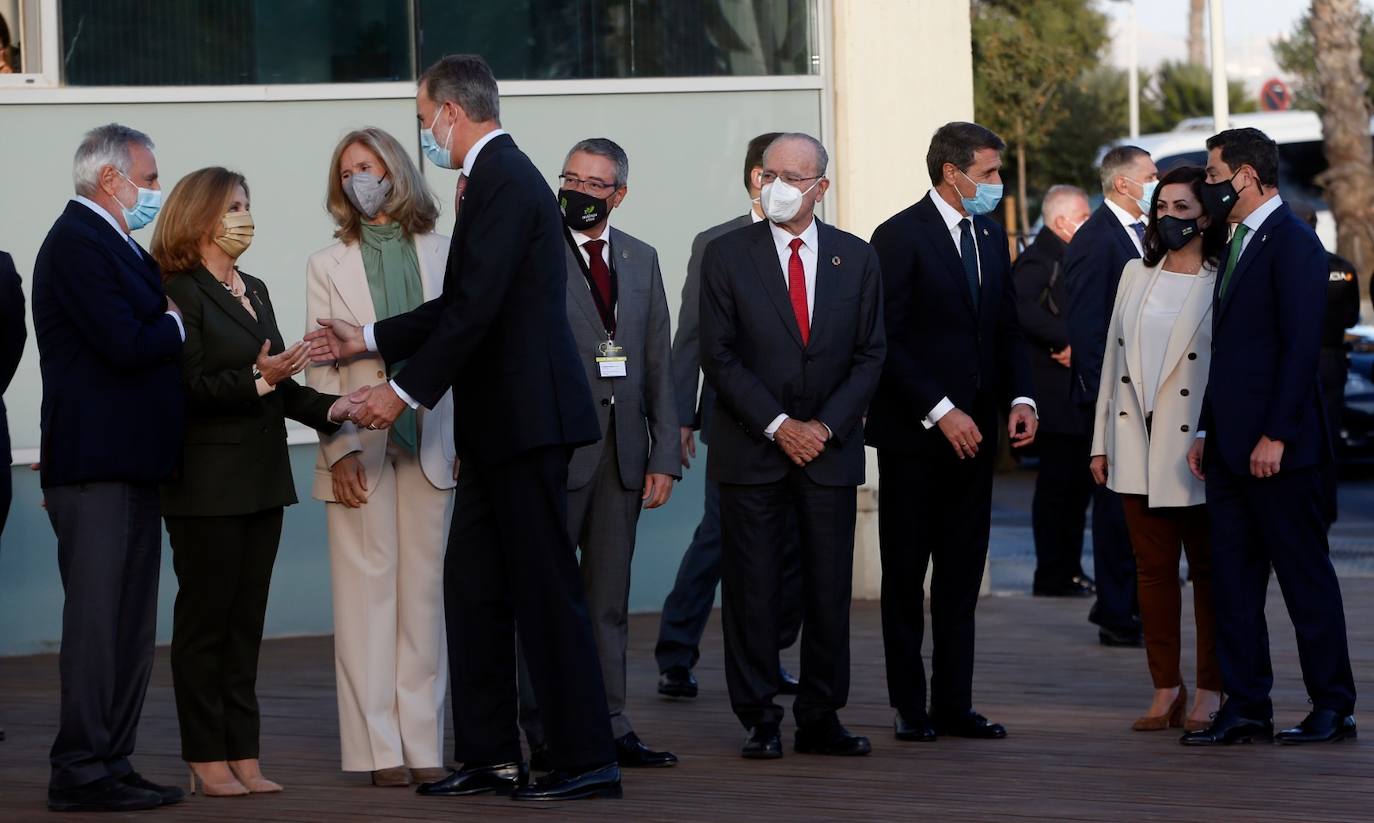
[1201,436]
[1029,402]
[264,388]
[773,427]
[400,392]
[370,339]
[941,409]
[181,328]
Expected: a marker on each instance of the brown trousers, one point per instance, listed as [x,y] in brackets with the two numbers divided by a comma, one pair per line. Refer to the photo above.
[1157,537]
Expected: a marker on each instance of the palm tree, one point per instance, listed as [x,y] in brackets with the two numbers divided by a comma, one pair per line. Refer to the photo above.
[1197,47]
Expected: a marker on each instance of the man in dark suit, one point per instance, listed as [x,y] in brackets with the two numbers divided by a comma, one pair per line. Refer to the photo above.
[1092,269]
[688,605]
[620,322]
[1063,486]
[792,342]
[499,333]
[957,358]
[109,349]
[13,333]
[1261,445]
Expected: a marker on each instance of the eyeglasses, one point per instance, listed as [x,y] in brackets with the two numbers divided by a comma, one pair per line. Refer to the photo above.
[792,180]
[596,187]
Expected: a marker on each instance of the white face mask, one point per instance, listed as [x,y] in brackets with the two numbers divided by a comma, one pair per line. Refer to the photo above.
[781,200]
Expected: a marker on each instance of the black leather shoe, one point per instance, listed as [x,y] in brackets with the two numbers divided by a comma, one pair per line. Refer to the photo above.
[631,753]
[539,759]
[104,795]
[829,737]
[968,724]
[1320,726]
[169,794]
[677,682]
[476,778]
[764,743]
[603,781]
[787,684]
[1073,587]
[916,728]
[1228,728]
[1119,639]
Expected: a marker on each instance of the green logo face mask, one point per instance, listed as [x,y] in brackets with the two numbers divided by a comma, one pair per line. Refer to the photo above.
[581,211]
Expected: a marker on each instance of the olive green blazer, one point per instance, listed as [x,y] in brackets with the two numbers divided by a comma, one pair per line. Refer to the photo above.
[235,459]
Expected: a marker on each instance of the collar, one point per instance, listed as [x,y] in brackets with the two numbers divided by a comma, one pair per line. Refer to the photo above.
[782,238]
[100,210]
[754,217]
[583,239]
[470,158]
[1124,216]
[1256,218]
[948,213]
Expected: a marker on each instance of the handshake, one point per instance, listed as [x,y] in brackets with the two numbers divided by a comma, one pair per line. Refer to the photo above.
[348,406]
[372,407]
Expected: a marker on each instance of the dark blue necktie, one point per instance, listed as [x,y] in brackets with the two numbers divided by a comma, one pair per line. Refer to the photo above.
[968,250]
[1139,229]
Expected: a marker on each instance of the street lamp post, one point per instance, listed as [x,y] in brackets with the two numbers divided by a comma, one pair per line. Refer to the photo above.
[1221,94]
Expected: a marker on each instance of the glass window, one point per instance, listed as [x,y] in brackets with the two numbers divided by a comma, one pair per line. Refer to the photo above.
[19,38]
[231,42]
[577,39]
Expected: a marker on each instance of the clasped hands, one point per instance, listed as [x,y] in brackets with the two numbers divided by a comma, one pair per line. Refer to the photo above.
[377,406]
[801,441]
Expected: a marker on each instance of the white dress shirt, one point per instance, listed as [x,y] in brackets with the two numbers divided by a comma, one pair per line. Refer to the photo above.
[1127,221]
[469,159]
[1157,318]
[782,241]
[952,217]
[114,224]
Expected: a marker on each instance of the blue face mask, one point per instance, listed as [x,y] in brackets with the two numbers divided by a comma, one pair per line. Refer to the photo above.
[146,206]
[985,197]
[440,156]
[1147,193]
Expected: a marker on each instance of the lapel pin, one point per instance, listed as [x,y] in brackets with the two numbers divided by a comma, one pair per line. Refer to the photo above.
[624,255]
[1264,238]
[985,232]
[835,261]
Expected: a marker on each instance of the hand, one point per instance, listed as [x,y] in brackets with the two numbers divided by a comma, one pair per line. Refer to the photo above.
[657,489]
[278,367]
[689,446]
[821,430]
[346,407]
[350,481]
[173,307]
[961,432]
[1063,357]
[1195,457]
[1267,457]
[799,441]
[335,340]
[1098,467]
[382,408]
[457,464]
[1021,425]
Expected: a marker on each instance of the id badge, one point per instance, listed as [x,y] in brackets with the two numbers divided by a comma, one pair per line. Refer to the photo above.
[611,359]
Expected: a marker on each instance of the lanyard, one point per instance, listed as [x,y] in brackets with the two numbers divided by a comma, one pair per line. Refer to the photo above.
[601,307]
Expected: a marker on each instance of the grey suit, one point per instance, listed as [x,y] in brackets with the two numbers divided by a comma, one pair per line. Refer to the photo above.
[639,423]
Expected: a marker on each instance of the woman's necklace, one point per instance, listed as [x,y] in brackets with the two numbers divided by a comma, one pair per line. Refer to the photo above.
[235,286]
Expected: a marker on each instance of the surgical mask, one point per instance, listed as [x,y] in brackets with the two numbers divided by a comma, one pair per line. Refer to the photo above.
[147,203]
[441,156]
[781,200]
[985,197]
[1176,232]
[581,211]
[1074,227]
[1147,193]
[1219,198]
[236,233]
[367,192]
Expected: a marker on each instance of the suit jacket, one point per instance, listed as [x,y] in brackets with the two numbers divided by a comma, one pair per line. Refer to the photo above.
[109,355]
[1092,270]
[1266,341]
[1042,308]
[646,423]
[235,459]
[1154,462]
[753,354]
[499,331]
[336,286]
[13,330]
[687,341]
[940,345]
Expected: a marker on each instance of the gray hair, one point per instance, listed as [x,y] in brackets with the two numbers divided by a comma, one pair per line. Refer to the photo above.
[609,149]
[465,79]
[105,146]
[1115,163]
[1058,199]
[822,158]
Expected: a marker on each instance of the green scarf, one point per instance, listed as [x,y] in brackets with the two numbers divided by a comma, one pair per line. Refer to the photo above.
[393,278]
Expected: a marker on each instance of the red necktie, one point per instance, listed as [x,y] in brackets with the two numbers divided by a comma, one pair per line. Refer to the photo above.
[601,278]
[796,289]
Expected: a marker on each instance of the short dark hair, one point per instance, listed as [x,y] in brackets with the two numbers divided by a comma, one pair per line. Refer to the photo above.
[1248,147]
[753,156]
[1114,161]
[957,143]
[607,148]
[1213,237]
[465,79]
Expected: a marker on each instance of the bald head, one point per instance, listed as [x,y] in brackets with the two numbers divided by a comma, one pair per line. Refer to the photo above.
[1064,209]
[794,140]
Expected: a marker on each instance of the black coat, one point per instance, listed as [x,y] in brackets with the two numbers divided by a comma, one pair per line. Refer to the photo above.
[499,333]
[235,459]
[13,330]
[109,354]
[1092,269]
[752,353]
[1042,302]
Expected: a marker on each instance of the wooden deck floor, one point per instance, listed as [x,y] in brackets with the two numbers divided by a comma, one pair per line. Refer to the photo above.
[1067,703]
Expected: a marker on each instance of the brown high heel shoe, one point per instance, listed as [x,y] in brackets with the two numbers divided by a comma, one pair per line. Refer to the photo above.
[1173,719]
[252,777]
[395,777]
[228,788]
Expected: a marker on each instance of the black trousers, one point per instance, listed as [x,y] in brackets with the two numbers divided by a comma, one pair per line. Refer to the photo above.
[224,570]
[1059,510]
[1117,606]
[938,510]
[109,548]
[688,605]
[6,481]
[754,533]
[510,564]
[1333,367]
[1275,522]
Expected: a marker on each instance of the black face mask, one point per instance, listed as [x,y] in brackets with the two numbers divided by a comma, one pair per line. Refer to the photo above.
[582,211]
[1219,198]
[1176,232]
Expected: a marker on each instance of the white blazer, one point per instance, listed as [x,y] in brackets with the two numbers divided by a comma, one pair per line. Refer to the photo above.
[336,287]
[1154,464]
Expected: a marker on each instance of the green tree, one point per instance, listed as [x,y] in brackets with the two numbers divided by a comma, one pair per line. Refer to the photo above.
[1097,112]
[1180,90]
[1297,55]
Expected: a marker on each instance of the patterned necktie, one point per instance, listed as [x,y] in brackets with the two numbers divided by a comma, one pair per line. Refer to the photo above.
[1139,229]
[796,290]
[458,195]
[601,278]
[968,251]
[1233,257]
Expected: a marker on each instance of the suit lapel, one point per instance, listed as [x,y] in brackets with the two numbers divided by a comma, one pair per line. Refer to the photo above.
[771,275]
[1135,310]
[220,297]
[938,234]
[350,281]
[827,278]
[990,283]
[632,279]
[581,294]
[1252,250]
[1189,320]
